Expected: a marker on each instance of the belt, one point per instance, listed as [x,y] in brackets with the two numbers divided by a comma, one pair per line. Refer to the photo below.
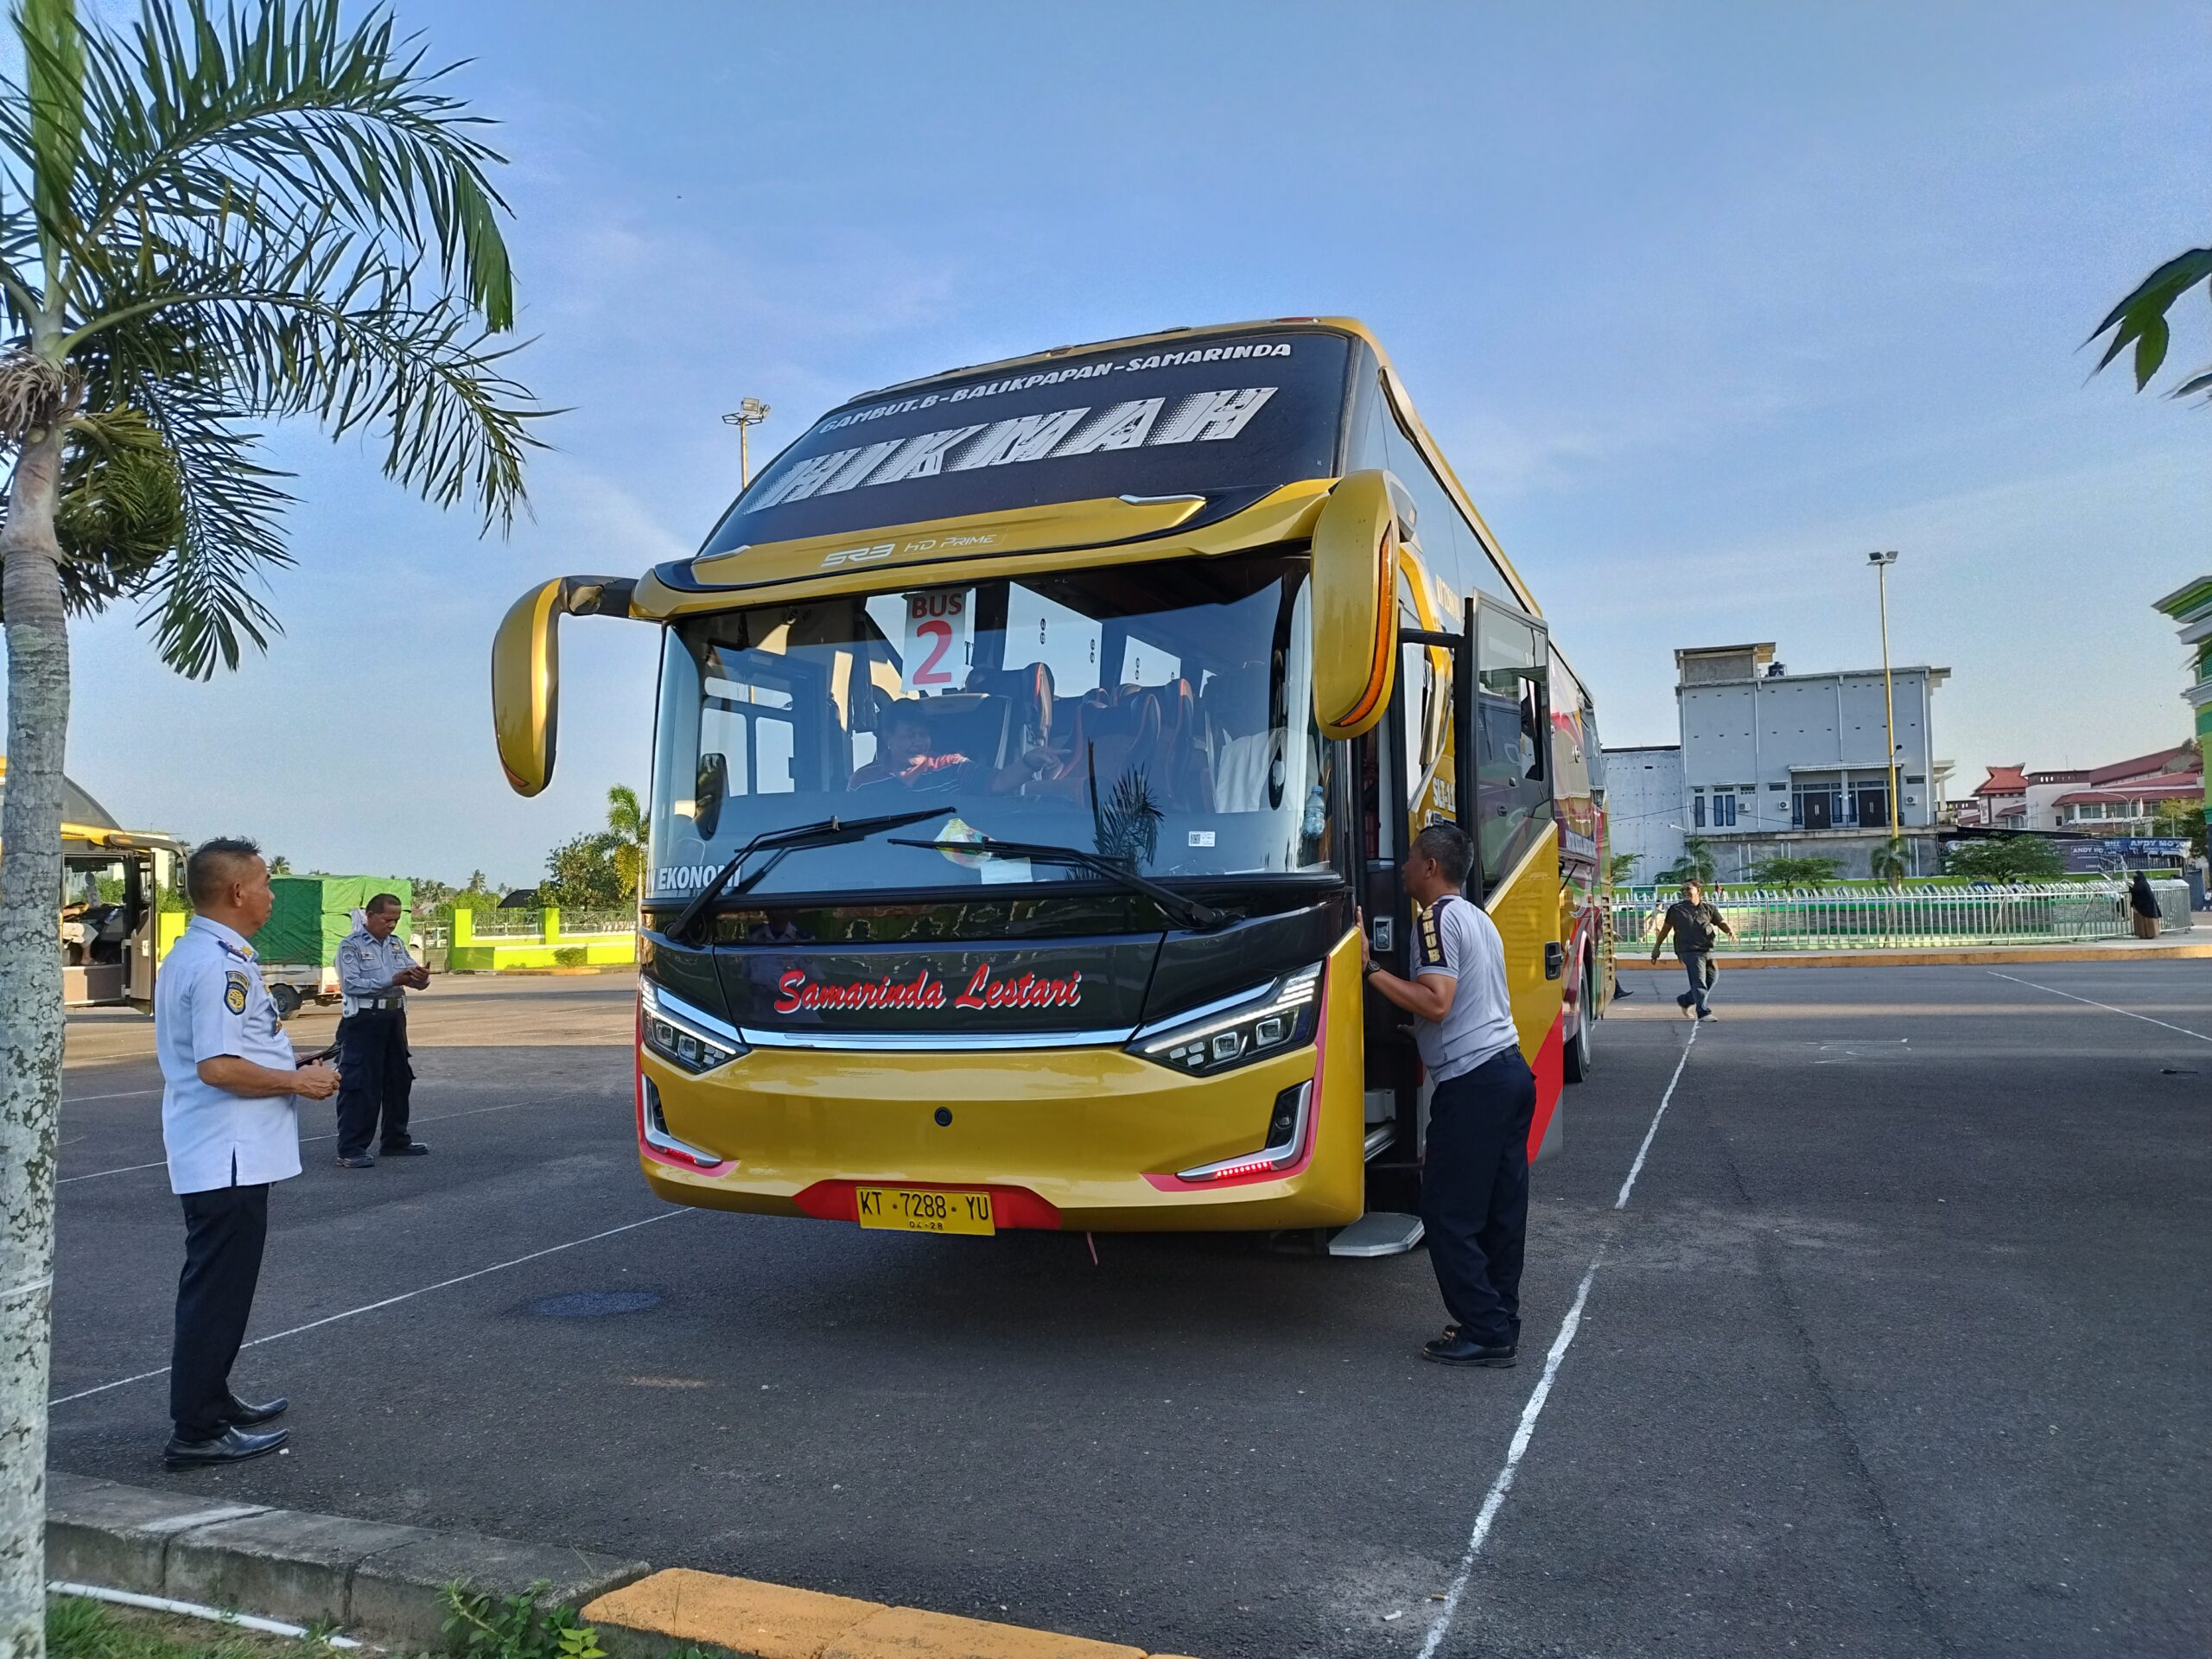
[376,1004]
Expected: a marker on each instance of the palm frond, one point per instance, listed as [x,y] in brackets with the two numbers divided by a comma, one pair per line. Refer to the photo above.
[203,605]
[2140,318]
[282,104]
[264,212]
[119,510]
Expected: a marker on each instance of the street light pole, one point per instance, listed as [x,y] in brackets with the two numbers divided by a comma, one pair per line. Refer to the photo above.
[1882,561]
[746,416]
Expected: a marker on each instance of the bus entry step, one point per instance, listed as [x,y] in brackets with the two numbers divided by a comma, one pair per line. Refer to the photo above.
[1379,1232]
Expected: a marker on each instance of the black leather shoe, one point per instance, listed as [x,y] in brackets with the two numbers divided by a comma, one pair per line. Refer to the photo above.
[232,1446]
[411,1149]
[1457,1350]
[1451,1330]
[359,1160]
[239,1414]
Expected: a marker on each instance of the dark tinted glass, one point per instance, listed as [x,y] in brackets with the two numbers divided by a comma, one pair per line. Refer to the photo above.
[1226,414]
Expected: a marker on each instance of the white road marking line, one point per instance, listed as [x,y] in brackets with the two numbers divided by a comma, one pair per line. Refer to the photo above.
[1493,1500]
[389,1301]
[2107,1007]
[1636,1168]
[305,1140]
[127,1094]
[125,1169]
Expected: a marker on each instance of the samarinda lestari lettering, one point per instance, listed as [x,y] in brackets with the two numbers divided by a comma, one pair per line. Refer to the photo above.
[798,991]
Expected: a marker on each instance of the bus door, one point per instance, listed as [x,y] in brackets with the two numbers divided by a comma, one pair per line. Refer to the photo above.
[1393,1066]
[1411,772]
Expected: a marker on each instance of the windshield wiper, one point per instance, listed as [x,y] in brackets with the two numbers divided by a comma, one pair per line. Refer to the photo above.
[830,832]
[1189,911]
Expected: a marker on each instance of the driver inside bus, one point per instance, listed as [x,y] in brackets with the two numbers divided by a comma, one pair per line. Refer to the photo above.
[904,755]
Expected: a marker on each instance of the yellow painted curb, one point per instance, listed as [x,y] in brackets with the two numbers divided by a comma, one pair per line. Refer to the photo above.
[907,1633]
[769,1621]
[679,1607]
[1987,956]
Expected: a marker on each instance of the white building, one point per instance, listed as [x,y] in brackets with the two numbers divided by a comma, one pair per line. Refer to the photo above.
[1772,764]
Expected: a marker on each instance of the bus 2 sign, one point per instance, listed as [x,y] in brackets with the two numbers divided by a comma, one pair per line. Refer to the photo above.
[935,653]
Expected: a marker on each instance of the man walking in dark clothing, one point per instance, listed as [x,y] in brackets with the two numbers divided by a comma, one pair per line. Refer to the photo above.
[374,972]
[1692,921]
[1474,1175]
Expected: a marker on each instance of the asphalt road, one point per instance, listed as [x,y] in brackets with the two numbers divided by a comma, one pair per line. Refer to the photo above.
[1900,1345]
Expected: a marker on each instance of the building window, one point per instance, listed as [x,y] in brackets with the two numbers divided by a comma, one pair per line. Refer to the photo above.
[1723,811]
[1697,812]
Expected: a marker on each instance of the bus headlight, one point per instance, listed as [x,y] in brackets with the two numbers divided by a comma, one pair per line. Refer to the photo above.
[682,1035]
[1272,1019]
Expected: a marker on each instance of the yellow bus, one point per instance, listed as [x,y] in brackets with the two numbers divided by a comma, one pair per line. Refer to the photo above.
[1028,737]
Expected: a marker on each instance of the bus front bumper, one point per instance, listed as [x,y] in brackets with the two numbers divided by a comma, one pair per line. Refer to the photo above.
[1079,1139]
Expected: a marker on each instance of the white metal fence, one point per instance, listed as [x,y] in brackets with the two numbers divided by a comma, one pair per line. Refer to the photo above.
[1832,919]
[530,924]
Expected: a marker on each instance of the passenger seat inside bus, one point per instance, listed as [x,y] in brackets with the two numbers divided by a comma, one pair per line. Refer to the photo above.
[1242,747]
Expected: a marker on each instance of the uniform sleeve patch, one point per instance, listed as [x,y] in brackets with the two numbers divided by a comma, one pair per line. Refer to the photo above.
[234,992]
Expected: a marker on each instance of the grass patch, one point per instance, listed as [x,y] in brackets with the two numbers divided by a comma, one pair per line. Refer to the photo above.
[77,1629]
[477,1627]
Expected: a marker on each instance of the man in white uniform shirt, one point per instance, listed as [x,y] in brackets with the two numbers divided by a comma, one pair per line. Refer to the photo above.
[229,1120]
[374,975]
[1474,1173]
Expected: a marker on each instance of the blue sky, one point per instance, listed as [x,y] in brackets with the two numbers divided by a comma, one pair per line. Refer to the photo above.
[1703,303]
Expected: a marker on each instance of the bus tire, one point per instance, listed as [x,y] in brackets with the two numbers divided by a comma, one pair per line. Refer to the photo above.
[287,1000]
[1580,1054]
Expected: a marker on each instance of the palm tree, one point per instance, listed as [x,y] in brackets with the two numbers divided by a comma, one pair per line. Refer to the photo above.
[1890,862]
[1696,860]
[206,222]
[626,820]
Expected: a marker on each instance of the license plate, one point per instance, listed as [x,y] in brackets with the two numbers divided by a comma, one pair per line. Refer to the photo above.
[910,1209]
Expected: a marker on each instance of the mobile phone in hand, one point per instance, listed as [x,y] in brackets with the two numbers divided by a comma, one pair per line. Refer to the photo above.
[317,1058]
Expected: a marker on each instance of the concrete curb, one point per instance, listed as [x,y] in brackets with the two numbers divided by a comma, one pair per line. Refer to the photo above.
[386,1581]
[304,1568]
[1990,956]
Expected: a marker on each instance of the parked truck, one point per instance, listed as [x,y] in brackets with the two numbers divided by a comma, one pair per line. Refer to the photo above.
[298,947]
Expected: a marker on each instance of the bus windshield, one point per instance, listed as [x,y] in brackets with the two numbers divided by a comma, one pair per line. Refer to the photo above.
[1156,713]
[1228,417]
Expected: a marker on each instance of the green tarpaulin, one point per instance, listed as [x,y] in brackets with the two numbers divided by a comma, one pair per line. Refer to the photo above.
[314,914]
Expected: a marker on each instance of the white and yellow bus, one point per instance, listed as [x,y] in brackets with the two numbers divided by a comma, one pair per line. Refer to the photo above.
[1028,737]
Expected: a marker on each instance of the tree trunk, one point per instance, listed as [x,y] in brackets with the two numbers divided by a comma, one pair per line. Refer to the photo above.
[30,1026]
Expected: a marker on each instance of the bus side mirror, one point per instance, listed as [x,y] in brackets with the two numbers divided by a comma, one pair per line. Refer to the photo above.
[1355,606]
[527,671]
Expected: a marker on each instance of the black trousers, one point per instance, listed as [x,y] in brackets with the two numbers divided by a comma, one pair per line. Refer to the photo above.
[1474,1194]
[224,1231]
[376,1079]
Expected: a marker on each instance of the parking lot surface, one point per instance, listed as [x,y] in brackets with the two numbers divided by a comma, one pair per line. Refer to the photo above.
[1896,1343]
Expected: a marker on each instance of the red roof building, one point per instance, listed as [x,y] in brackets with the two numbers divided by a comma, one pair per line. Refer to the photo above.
[2122,798]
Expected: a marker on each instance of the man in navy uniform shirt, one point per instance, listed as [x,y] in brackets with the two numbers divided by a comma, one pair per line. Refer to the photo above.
[230,1123]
